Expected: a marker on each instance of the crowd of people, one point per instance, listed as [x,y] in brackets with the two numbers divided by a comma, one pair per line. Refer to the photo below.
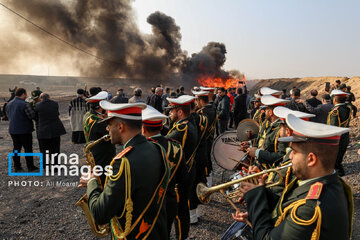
[166,140]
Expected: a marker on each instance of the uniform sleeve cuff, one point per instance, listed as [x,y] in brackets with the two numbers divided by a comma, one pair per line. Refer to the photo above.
[250,143]
[257,153]
[91,186]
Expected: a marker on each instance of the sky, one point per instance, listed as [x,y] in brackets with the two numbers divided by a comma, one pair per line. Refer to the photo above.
[263,38]
[269,38]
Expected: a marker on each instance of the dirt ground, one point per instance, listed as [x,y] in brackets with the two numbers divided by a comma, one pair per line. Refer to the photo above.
[48,212]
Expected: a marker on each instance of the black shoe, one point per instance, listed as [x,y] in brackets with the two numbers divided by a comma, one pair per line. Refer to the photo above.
[19,169]
[33,169]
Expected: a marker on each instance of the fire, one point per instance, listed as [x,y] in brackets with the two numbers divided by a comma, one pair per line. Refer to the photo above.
[231,82]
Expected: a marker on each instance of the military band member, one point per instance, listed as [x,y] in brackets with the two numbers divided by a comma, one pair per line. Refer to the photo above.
[317,204]
[207,109]
[260,117]
[152,124]
[94,129]
[201,123]
[211,95]
[340,116]
[267,150]
[133,196]
[258,113]
[285,131]
[186,133]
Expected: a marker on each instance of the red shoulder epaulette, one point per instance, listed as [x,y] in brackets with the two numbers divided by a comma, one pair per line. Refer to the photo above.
[123,152]
[153,140]
[315,191]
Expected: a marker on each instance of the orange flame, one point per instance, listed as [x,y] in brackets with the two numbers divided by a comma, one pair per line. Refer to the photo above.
[220,82]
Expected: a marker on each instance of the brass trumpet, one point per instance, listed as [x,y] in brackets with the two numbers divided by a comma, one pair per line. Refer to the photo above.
[203,192]
[97,230]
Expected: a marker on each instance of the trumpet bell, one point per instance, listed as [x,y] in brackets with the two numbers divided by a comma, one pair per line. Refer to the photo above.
[201,191]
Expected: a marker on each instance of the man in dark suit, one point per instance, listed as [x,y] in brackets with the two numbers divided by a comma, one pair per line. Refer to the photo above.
[21,128]
[321,111]
[120,97]
[313,101]
[156,100]
[50,127]
[223,109]
[240,109]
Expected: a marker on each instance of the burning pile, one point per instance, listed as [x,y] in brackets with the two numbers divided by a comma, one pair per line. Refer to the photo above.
[220,82]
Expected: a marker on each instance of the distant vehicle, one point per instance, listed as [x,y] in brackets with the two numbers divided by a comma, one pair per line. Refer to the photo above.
[27,83]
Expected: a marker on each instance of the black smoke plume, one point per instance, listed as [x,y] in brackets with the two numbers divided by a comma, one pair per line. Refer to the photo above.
[108,30]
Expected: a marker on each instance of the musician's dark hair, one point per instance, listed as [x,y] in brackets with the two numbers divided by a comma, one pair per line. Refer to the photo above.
[325,153]
[340,99]
[19,92]
[132,124]
[153,129]
[185,109]
[204,98]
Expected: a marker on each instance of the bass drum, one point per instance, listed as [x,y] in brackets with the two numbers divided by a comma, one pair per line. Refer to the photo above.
[225,151]
[238,231]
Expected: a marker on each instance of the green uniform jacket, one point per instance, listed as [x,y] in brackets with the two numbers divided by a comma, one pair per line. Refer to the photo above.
[149,168]
[286,173]
[340,116]
[174,152]
[271,150]
[259,116]
[324,203]
[185,132]
[210,112]
[103,152]
[201,123]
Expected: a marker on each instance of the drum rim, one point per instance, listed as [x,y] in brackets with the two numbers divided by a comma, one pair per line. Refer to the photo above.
[212,148]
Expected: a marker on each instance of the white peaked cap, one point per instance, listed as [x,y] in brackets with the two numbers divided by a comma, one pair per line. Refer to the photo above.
[269,100]
[131,111]
[98,97]
[305,131]
[207,88]
[269,91]
[200,93]
[282,113]
[151,114]
[180,101]
[338,92]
